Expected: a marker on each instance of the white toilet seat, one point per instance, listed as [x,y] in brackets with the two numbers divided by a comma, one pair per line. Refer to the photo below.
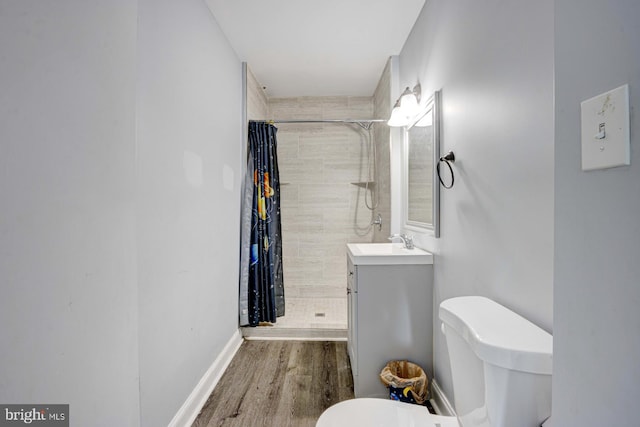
[369,412]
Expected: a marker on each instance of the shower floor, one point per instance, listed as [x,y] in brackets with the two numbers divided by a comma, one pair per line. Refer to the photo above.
[306,318]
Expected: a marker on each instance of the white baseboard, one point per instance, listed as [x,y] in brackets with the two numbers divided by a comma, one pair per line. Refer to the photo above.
[190,409]
[440,402]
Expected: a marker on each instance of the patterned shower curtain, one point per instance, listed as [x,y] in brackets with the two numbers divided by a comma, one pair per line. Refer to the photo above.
[261,283]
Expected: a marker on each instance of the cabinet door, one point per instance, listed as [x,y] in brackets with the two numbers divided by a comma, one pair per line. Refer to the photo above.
[394,304]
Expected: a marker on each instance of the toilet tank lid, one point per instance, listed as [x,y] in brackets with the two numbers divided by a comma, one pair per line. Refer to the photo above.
[498,335]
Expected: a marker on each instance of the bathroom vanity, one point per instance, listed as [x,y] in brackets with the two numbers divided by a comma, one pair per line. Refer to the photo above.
[390,305]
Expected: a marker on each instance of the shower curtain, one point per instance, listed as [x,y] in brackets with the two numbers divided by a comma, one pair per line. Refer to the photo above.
[261,282]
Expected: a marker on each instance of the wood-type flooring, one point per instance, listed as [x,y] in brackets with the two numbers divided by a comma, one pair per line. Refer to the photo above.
[279,384]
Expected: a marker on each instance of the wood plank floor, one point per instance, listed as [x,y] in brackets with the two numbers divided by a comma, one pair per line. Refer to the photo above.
[279,383]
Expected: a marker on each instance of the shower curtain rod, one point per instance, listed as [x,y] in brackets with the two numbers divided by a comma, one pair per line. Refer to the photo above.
[323,121]
[364,123]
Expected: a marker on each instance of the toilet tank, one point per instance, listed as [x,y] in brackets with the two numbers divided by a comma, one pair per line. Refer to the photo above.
[501,364]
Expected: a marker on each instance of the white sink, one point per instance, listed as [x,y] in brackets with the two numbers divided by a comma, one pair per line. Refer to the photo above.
[386,254]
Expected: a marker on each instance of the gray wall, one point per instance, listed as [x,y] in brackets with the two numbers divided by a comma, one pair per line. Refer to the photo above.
[596,379]
[493,61]
[68,304]
[120,156]
[189,162]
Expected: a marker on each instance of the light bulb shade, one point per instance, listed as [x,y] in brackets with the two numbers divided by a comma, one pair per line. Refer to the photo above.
[398,118]
[409,104]
[406,108]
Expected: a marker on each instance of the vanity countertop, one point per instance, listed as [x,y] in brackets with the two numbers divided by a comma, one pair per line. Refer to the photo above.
[386,254]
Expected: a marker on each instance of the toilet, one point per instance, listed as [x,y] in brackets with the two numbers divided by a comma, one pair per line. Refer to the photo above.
[500,367]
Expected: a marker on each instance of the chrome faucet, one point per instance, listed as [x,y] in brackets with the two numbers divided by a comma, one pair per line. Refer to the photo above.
[407,240]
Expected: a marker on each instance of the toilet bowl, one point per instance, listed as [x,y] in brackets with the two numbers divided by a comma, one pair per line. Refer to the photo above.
[370,412]
[500,366]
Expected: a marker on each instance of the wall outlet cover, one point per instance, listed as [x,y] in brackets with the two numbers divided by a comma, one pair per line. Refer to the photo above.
[605,130]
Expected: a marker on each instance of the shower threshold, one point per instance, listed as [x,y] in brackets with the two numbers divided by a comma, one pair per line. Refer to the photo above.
[308,318]
[306,334]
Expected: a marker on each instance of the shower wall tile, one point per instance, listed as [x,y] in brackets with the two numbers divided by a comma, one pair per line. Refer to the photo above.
[382,95]
[312,146]
[321,209]
[287,151]
[345,148]
[358,150]
[335,107]
[360,197]
[322,240]
[301,171]
[298,220]
[382,103]
[360,107]
[311,243]
[340,171]
[336,110]
[361,238]
[302,269]
[300,128]
[309,108]
[287,145]
[320,161]
[324,195]
[283,108]
[337,142]
[295,108]
[257,103]
[362,216]
[318,291]
[335,268]
[289,247]
[289,195]
[337,220]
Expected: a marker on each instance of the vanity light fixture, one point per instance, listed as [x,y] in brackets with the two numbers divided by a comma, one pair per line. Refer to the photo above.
[406,107]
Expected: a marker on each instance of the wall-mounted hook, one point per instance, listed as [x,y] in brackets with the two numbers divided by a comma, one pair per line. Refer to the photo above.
[449,157]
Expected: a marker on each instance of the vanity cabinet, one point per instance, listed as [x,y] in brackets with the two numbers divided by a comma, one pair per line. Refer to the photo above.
[390,314]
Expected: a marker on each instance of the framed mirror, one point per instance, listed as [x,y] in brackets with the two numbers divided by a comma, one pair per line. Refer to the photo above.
[421,151]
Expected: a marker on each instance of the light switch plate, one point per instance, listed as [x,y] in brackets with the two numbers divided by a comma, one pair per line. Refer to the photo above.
[605,130]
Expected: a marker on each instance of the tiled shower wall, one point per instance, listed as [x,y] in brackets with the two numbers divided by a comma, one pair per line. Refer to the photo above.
[323,208]
[323,204]
[257,102]
[382,103]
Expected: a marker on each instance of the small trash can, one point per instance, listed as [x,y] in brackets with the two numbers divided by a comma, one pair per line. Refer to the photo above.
[407,382]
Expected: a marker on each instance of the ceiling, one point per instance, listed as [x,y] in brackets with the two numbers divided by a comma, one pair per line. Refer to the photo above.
[316,47]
